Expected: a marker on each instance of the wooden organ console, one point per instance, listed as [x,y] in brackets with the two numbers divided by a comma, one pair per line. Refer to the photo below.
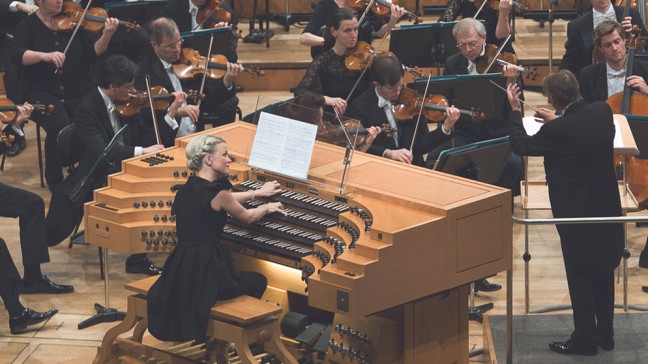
[391,255]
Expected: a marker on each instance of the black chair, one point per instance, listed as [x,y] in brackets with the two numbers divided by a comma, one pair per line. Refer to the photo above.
[67,149]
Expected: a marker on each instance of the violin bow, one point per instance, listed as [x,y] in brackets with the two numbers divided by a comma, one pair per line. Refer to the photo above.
[150,98]
[480,9]
[76,30]
[498,53]
[418,119]
[366,10]
[204,77]
[209,14]
[346,134]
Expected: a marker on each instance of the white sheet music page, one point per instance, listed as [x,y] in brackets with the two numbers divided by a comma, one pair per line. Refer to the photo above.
[531,125]
[283,145]
[618,138]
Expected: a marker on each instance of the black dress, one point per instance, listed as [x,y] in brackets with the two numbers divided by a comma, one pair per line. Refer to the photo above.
[197,270]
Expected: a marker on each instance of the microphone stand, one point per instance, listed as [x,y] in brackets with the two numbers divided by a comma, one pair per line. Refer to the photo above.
[104,313]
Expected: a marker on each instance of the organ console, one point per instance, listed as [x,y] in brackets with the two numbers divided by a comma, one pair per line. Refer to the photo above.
[390,256]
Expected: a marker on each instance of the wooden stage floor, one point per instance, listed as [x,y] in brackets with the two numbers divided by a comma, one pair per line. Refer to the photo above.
[59,341]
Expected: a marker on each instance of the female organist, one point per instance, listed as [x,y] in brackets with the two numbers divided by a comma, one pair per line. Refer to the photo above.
[200,271]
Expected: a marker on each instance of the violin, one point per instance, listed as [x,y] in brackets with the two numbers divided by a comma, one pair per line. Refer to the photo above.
[136,100]
[9,111]
[212,13]
[94,19]
[337,134]
[490,54]
[358,57]
[409,105]
[6,139]
[381,8]
[520,6]
[191,64]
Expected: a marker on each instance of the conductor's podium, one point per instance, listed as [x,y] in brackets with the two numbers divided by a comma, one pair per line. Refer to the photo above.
[390,252]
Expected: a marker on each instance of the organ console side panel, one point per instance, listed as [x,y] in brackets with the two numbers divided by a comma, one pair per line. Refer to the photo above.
[395,242]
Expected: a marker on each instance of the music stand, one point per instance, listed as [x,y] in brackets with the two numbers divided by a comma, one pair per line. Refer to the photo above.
[644,57]
[138,12]
[481,161]
[423,45]
[199,40]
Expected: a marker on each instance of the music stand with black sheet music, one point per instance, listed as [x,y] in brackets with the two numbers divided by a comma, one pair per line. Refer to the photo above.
[138,12]
[639,127]
[199,40]
[423,45]
[481,161]
[468,92]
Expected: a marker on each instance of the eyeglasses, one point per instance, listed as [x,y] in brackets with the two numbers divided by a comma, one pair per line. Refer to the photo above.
[470,45]
[172,46]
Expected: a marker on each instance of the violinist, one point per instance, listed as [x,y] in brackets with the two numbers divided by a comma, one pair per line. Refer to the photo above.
[15,129]
[375,107]
[328,74]
[184,13]
[372,27]
[165,40]
[604,79]
[39,48]
[309,107]
[496,21]
[97,121]
[579,45]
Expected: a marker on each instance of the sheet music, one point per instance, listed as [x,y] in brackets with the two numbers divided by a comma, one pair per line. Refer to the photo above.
[532,126]
[283,145]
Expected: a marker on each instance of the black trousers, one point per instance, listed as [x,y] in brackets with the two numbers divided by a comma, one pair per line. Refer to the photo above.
[29,208]
[592,296]
[10,282]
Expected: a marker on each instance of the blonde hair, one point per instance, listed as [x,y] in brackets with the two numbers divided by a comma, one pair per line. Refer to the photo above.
[199,147]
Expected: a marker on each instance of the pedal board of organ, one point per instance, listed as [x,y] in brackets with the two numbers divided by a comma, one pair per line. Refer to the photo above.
[398,234]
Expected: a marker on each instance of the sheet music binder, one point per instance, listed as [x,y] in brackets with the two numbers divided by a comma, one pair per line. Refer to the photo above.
[199,40]
[423,45]
[481,161]
[639,127]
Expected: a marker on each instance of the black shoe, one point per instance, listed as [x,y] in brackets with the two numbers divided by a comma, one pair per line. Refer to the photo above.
[569,347]
[486,286]
[27,318]
[16,147]
[144,266]
[44,285]
[607,343]
[644,288]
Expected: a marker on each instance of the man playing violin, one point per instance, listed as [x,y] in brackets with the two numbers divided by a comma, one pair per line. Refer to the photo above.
[39,48]
[375,107]
[372,27]
[165,40]
[579,45]
[97,121]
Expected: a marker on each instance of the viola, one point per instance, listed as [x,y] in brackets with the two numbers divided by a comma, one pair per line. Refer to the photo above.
[381,8]
[337,134]
[212,13]
[191,64]
[136,100]
[409,105]
[358,57]
[93,21]
[490,56]
[9,111]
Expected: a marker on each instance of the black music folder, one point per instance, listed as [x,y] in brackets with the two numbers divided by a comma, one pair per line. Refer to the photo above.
[639,127]
[481,161]
[138,12]
[423,45]
[199,40]
[469,92]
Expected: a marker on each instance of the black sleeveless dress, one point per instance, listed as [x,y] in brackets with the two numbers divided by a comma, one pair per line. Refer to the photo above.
[199,267]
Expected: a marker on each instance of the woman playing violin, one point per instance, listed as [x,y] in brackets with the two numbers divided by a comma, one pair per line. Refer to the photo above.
[375,107]
[372,27]
[39,47]
[327,74]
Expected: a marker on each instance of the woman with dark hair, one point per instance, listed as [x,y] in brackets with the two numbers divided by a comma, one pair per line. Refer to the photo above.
[328,74]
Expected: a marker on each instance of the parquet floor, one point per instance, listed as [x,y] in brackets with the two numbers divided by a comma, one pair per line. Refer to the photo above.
[59,341]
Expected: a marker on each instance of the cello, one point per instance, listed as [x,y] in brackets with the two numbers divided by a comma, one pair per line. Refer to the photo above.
[634,103]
